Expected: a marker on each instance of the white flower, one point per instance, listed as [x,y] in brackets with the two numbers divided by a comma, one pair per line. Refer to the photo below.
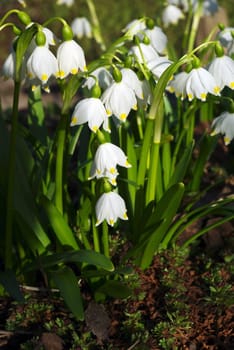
[71,59]
[81,27]
[110,206]
[119,99]
[103,76]
[90,110]
[130,78]
[158,38]
[178,84]
[51,39]
[135,26]
[226,39]
[199,83]
[8,68]
[158,66]
[171,15]
[42,64]
[222,68]
[107,157]
[65,2]
[224,124]
[144,53]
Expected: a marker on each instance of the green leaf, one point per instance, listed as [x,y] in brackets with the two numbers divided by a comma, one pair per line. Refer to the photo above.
[182,166]
[165,211]
[10,284]
[67,283]
[114,289]
[82,256]
[22,45]
[58,223]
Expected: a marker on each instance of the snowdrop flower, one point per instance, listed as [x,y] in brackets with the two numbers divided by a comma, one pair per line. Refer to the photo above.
[42,64]
[226,39]
[130,78]
[222,68]
[135,26]
[144,53]
[110,206]
[107,157]
[81,27]
[171,15]
[103,76]
[71,59]
[65,2]
[178,84]
[90,110]
[8,68]
[199,83]
[158,38]
[119,99]
[224,124]
[158,66]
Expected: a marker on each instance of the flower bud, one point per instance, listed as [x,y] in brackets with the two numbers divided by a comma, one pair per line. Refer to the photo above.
[128,62]
[117,75]
[24,17]
[196,62]
[150,23]
[96,90]
[146,40]
[67,32]
[40,38]
[219,51]
[16,30]
[107,187]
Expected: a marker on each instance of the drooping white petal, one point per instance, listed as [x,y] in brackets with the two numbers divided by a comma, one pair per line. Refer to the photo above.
[144,53]
[42,64]
[119,99]
[103,76]
[224,124]
[110,206]
[71,58]
[158,39]
[81,27]
[106,159]
[90,110]
[158,66]
[171,15]
[130,78]
[222,68]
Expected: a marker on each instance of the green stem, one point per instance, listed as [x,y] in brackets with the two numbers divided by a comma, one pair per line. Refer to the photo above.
[144,152]
[105,239]
[11,178]
[152,180]
[96,26]
[194,26]
[59,163]
[96,243]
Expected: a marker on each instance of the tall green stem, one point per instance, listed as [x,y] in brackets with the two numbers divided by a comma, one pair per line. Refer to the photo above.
[59,163]
[194,26]
[105,239]
[11,178]
[96,26]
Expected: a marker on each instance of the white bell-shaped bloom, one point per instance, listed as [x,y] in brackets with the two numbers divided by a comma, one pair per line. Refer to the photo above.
[182,4]
[42,64]
[199,83]
[158,38]
[171,15]
[226,39]
[92,111]
[51,38]
[71,58]
[222,68]
[144,53]
[65,2]
[158,66]
[8,68]
[130,78]
[81,27]
[135,26]
[224,124]
[178,84]
[106,159]
[110,206]
[119,99]
[103,76]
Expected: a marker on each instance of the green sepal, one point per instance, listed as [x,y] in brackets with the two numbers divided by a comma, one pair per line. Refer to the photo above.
[67,32]
[24,17]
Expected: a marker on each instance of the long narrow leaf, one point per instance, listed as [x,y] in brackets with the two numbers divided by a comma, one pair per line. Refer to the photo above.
[67,283]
